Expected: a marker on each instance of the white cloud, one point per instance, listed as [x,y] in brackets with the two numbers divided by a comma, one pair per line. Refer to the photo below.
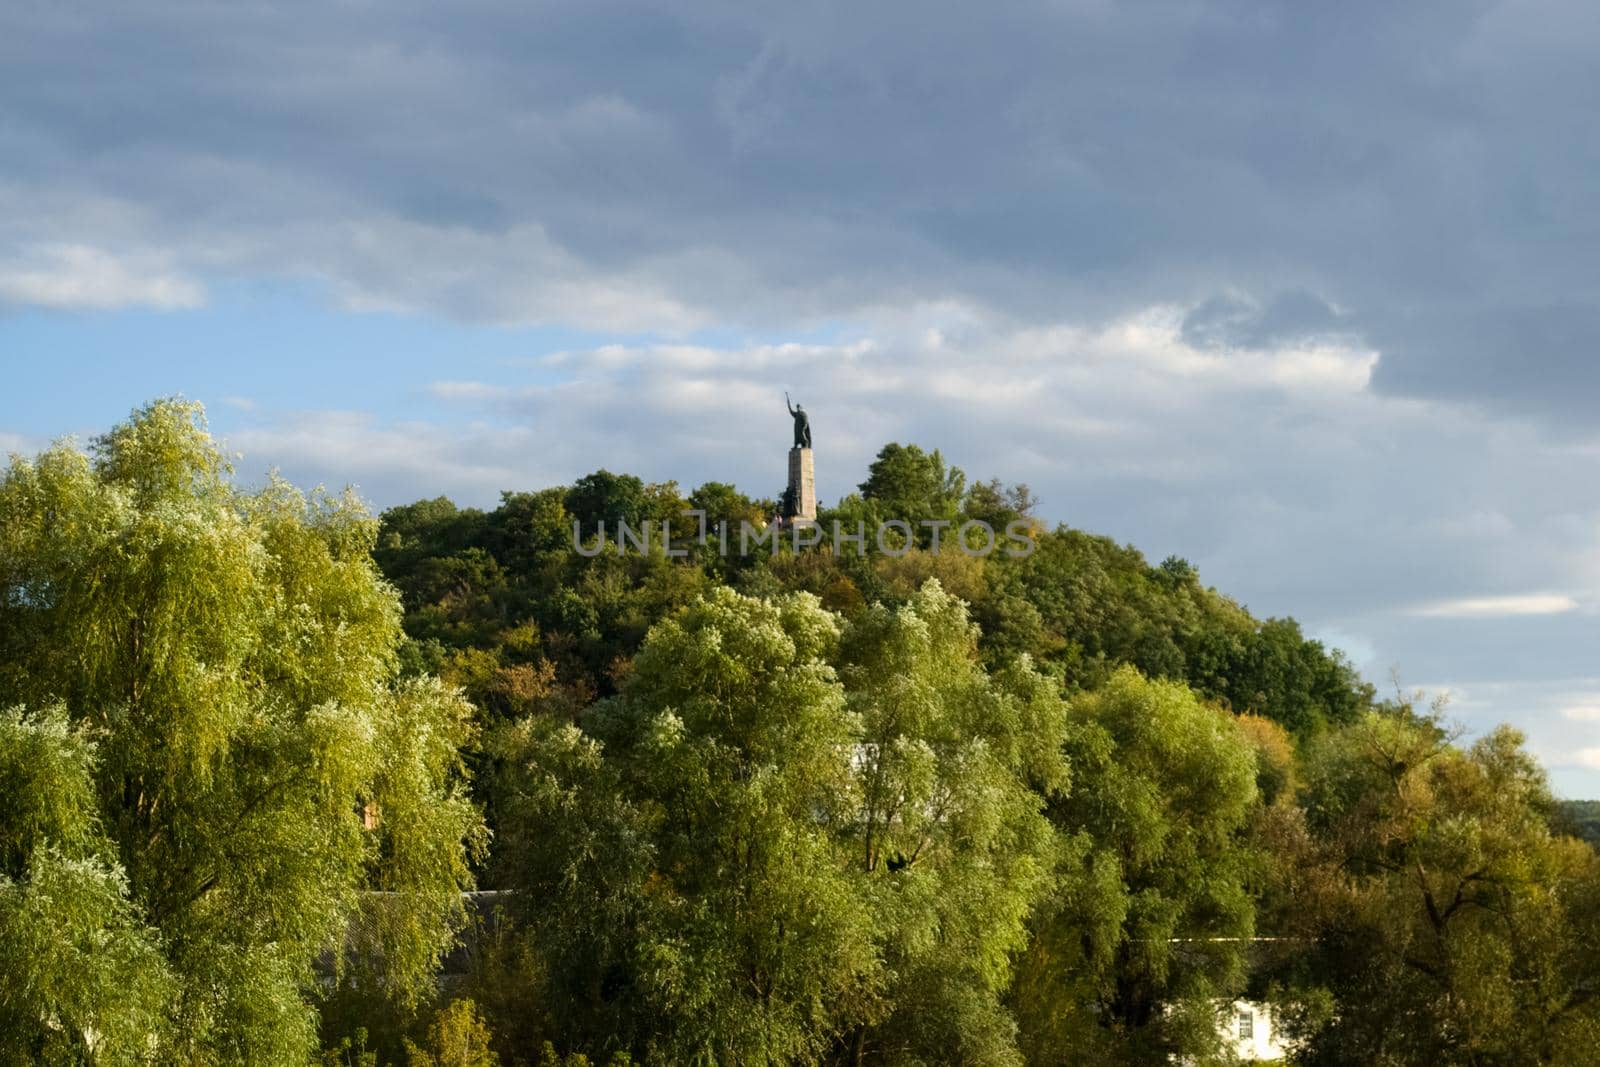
[1154,339]
[390,462]
[1494,607]
[76,277]
[18,444]
[1050,406]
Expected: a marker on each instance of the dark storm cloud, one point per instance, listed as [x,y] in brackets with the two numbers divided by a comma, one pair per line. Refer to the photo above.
[1423,168]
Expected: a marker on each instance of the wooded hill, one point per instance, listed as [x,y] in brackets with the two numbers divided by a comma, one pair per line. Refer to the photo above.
[255,745]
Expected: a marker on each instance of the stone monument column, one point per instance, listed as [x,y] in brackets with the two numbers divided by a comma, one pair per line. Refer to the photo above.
[800,499]
[802,485]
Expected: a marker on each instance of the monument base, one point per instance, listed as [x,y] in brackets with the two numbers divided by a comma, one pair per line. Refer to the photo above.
[802,485]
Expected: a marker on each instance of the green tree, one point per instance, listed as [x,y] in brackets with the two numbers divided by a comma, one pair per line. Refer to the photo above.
[457,1037]
[1442,920]
[1581,819]
[609,498]
[680,861]
[954,766]
[527,528]
[746,858]
[998,504]
[904,482]
[723,503]
[257,769]
[1148,928]
[1274,670]
[85,980]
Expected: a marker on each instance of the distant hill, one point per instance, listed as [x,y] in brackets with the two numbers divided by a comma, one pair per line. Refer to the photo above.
[1582,819]
[500,603]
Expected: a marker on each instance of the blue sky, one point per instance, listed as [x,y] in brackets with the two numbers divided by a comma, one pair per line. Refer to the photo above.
[1307,295]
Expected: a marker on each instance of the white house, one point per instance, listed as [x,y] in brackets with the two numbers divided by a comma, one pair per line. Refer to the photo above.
[1247,1027]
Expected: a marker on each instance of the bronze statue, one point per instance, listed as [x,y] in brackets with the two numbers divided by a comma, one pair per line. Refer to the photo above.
[802,423]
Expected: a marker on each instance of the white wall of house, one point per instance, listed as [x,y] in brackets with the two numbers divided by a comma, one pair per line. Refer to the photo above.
[1248,1027]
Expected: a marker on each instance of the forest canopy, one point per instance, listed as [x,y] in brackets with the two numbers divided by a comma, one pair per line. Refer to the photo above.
[283,782]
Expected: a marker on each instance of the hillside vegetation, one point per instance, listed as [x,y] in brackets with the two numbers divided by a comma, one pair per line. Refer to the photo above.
[788,807]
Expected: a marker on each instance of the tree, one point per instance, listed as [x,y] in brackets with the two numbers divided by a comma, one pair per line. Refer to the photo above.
[998,504]
[954,766]
[1147,930]
[527,527]
[907,483]
[1443,921]
[678,859]
[85,980]
[1276,671]
[458,1037]
[609,498]
[722,503]
[257,769]
[747,858]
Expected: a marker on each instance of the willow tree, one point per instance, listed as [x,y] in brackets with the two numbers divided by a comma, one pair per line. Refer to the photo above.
[83,978]
[951,843]
[217,667]
[1145,934]
[788,841]
[679,860]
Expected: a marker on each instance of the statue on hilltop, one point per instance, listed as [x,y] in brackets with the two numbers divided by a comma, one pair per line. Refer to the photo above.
[802,423]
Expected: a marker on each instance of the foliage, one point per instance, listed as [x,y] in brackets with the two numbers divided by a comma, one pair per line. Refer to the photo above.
[501,604]
[678,863]
[1447,923]
[750,857]
[1148,928]
[881,807]
[952,766]
[84,978]
[1580,819]
[458,1037]
[904,482]
[1079,605]
[256,770]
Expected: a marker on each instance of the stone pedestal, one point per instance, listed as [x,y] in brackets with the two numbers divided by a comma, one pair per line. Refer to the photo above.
[803,484]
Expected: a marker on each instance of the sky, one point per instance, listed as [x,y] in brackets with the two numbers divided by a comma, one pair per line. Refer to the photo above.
[1307,294]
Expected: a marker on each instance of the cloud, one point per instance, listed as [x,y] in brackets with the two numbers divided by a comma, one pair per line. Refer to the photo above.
[18,444]
[76,277]
[389,462]
[978,380]
[1295,181]
[1495,607]
[1290,317]
[1582,712]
